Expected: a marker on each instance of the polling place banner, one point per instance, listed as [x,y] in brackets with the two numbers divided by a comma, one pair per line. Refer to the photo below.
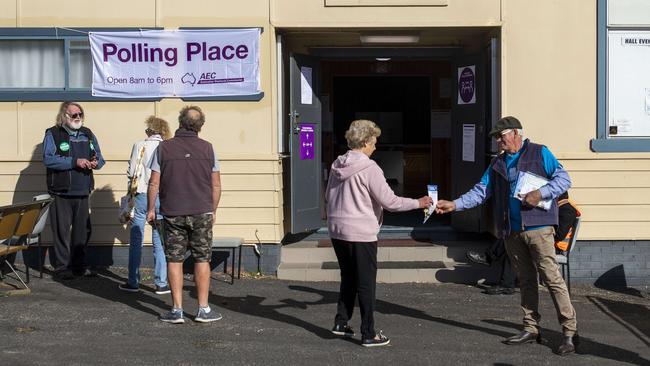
[175,63]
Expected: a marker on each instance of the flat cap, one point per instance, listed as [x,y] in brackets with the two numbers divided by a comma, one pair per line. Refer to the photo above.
[505,123]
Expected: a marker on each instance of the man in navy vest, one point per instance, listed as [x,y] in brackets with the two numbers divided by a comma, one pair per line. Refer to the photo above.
[185,171]
[70,154]
[526,228]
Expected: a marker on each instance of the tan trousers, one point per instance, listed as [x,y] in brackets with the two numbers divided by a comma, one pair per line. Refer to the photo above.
[531,252]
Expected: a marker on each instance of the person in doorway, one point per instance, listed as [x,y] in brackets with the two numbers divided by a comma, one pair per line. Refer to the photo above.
[70,154]
[185,171]
[527,229]
[496,253]
[356,195]
[138,175]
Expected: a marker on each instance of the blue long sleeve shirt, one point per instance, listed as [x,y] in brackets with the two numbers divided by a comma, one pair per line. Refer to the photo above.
[559,182]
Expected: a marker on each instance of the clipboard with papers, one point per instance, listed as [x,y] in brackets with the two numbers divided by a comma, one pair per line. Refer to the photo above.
[528,182]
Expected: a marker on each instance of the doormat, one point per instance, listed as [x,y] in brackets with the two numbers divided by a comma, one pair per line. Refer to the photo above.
[395,265]
[326,243]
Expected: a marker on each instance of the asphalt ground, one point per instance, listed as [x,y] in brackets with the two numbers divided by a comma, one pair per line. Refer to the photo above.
[88,321]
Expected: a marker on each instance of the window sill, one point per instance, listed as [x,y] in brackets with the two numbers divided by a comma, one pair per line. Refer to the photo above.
[621,145]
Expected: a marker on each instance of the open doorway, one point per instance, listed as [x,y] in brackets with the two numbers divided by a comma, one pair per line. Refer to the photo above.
[429,136]
[410,101]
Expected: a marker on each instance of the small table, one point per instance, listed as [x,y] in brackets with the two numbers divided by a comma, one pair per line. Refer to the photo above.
[229,243]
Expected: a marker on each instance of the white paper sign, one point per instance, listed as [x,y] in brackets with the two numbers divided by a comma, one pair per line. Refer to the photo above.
[175,63]
[528,182]
[469,134]
[305,85]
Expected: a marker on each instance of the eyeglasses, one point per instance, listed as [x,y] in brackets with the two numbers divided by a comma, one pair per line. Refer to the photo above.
[75,116]
[503,133]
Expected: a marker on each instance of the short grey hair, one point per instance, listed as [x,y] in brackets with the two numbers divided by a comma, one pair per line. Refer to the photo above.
[520,132]
[191,123]
[361,132]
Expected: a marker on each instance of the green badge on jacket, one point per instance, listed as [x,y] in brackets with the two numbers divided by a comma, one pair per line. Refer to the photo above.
[64,146]
[92,147]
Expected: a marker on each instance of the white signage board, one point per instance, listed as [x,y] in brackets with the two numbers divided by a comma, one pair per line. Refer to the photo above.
[469,142]
[628,84]
[175,63]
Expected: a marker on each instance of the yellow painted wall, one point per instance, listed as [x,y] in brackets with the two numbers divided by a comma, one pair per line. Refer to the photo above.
[243,133]
[549,83]
[548,80]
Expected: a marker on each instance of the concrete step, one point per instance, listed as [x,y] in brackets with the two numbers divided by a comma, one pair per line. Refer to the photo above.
[445,272]
[308,252]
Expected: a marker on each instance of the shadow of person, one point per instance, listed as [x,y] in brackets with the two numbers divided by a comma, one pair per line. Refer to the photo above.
[634,317]
[389,308]
[587,346]
[615,280]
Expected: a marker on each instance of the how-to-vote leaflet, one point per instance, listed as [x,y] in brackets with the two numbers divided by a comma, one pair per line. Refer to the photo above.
[175,63]
[432,191]
[528,182]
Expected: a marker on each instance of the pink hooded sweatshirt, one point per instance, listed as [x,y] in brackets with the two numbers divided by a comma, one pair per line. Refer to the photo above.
[356,195]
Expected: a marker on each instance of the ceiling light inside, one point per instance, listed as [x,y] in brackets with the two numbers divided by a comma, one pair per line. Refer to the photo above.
[405,38]
[383,59]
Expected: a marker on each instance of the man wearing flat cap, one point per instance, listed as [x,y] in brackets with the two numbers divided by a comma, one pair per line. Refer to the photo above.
[526,228]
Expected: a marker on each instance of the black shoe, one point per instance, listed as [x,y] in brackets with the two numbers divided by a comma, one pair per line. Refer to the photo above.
[63,275]
[87,272]
[162,290]
[568,345]
[477,257]
[524,337]
[378,341]
[128,288]
[343,330]
[499,290]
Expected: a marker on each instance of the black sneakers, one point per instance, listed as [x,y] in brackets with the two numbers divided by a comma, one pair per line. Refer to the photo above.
[162,290]
[343,330]
[379,340]
[128,288]
[476,257]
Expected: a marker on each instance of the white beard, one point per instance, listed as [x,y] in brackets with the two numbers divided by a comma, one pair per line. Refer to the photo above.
[75,125]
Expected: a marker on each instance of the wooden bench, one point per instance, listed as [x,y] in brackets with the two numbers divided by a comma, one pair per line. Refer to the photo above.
[229,243]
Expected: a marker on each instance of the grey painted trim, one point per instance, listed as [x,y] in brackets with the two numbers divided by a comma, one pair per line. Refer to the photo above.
[602,142]
[234,98]
[59,95]
[621,145]
[392,52]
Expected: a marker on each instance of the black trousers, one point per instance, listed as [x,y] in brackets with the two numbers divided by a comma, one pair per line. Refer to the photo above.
[70,222]
[497,252]
[358,264]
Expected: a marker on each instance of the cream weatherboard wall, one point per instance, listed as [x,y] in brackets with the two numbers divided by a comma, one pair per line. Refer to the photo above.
[548,80]
[242,132]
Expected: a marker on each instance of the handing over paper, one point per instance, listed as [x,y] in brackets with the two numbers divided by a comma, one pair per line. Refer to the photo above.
[432,190]
[528,182]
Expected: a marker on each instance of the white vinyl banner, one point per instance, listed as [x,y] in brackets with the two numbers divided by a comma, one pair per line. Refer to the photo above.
[175,63]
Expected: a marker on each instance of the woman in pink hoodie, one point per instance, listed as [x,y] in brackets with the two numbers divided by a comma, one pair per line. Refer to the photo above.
[357,194]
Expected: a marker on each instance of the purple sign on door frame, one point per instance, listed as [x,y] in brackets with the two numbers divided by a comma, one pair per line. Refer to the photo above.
[466,85]
[306,141]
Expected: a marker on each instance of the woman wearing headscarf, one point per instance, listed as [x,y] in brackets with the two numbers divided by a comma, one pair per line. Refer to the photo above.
[357,194]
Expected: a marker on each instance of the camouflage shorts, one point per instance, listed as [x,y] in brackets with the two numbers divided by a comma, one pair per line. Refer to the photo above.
[193,232]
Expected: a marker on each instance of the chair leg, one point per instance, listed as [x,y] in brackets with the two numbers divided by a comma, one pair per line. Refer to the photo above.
[26,269]
[232,265]
[16,273]
[239,266]
[568,282]
[40,256]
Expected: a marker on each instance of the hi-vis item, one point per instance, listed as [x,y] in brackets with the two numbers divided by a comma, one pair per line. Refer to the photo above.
[528,182]
[176,63]
[432,191]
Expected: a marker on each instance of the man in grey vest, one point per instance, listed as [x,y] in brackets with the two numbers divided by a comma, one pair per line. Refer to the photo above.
[526,228]
[185,171]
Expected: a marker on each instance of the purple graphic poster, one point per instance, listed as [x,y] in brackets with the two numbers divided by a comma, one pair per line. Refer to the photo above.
[306,141]
[466,85]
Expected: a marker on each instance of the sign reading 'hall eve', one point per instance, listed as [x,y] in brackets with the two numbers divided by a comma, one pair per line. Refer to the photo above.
[175,63]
